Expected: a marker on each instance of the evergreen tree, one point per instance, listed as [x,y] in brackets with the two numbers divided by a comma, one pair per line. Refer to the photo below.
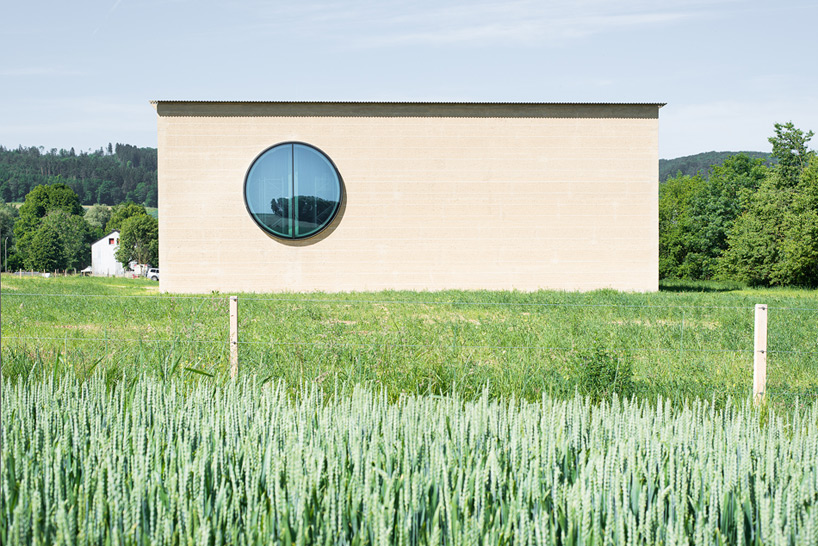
[8,217]
[111,174]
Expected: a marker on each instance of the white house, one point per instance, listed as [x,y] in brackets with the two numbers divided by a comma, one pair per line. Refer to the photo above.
[103,257]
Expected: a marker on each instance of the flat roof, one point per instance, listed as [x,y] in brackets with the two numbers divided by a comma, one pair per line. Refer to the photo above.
[660,104]
[405,109]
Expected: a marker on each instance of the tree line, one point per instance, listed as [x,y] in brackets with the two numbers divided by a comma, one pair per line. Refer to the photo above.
[747,221]
[701,163]
[51,231]
[750,219]
[108,176]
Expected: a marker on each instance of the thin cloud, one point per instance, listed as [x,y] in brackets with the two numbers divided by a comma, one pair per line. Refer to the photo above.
[37,71]
[529,30]
[116,5]
[107,15]
[366,24]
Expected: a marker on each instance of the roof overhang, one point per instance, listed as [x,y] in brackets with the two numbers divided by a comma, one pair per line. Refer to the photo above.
[406,109]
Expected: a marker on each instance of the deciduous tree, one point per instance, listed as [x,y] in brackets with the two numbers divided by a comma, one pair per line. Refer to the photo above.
[775,241]
[42,200]
[98,216]
[45,252]
[675,196]
[120,213]
[139,241]
[790,149]
[714,208]
[75,236]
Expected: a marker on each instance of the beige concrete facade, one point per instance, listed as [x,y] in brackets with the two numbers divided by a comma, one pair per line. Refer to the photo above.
[437,196]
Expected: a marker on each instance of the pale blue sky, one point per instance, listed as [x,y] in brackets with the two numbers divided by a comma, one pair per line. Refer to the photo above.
[80,74]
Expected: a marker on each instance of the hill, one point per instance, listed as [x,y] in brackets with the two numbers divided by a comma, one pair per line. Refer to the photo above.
[120,173]
[699,163]
[128,173]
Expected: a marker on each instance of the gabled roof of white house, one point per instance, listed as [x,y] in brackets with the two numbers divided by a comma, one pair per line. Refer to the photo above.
[106,236]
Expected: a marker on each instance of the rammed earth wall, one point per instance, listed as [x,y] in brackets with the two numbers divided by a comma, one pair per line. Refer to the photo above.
[436,196]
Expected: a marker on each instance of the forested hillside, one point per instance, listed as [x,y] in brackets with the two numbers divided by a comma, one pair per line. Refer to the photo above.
[127,173]
[699,164]
[120,173]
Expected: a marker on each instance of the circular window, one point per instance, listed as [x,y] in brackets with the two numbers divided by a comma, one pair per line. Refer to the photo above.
[292,190]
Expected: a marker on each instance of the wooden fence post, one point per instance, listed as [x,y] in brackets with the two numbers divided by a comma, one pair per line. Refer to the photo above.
[234,336]
[760,353]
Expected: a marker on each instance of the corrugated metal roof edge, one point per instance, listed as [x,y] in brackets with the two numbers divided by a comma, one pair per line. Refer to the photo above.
[659,104]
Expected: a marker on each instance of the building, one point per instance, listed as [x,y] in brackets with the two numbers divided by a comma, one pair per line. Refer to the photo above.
[345,196]
[103,257]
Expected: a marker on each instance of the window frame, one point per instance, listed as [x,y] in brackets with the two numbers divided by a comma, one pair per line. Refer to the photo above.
[292,212]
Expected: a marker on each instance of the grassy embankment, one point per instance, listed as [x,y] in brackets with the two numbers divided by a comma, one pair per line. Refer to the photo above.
[682,342]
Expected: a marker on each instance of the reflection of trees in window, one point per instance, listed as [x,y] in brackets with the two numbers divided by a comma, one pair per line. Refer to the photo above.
[281,206]
[314,209]
[311,212]
[292,214]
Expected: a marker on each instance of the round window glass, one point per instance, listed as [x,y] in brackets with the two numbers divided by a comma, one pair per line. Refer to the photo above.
[292,190]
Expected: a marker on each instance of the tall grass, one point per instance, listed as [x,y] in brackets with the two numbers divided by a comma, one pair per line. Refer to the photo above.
[404,418]
[679,343]
[152,462]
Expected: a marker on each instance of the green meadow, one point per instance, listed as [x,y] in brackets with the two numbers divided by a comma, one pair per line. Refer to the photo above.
[408,418]
[685,341]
